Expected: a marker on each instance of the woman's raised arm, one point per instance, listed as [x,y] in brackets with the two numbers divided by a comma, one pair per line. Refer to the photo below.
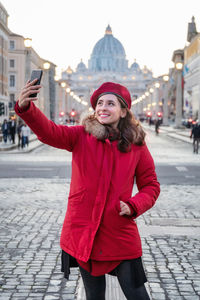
[59,136]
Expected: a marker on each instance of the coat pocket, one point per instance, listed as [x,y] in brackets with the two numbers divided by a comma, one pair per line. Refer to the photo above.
[124,220]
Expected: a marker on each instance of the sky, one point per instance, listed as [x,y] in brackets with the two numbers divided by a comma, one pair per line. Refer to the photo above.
[66,31]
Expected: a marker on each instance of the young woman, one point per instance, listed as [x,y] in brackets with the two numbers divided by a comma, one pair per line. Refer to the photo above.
[99,233]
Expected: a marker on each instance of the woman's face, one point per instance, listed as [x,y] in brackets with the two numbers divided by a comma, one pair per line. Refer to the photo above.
[108,110]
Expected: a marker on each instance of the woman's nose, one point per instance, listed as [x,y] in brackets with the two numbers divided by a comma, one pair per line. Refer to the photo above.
[104,105]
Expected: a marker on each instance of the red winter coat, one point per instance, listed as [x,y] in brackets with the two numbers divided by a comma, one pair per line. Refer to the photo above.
[101,177]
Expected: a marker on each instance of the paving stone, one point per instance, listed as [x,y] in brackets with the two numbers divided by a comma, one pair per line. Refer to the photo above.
[69,290]
[158,296]
[53,289]
[69,297]
[192,297]
[5,294]
[51,297]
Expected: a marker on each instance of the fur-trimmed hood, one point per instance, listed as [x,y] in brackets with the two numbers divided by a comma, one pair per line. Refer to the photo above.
[93,127]
[133,134]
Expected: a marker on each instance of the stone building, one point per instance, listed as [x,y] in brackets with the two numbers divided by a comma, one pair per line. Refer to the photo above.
[17,60]
[22,59]
[192,73]
[4,40]
[107,63]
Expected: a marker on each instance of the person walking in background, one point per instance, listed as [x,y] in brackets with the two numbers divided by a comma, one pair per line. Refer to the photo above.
[195,133]
[19,134]
[12,129]
[99,232]
[5,130]
[157,126]
[25,133]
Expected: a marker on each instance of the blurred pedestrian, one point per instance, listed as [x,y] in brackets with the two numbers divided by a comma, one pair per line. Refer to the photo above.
[25,133]
[99,233]
[149,121]
[5,130]
[19,134]
[157,126]
[12,130]
[195,133]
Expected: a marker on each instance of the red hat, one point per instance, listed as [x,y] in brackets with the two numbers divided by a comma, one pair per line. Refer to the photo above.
[112,88]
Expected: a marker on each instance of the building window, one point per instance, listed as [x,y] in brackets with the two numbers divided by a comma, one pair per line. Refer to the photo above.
[2,14]
[12,80]
[12,97]
[12,101]
[12,45]
[12,63]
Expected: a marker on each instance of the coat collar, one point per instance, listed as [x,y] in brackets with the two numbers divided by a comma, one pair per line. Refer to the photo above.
[93,127]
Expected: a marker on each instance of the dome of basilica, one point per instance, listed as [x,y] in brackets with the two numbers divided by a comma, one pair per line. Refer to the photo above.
[135,67]
[81,67]
[108,54]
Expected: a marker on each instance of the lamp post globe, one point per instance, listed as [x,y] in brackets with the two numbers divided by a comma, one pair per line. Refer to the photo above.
[166,78]
[28,42]
[46,65]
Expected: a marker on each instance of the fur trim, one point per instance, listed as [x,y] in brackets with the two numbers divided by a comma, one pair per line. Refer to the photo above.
[92,126]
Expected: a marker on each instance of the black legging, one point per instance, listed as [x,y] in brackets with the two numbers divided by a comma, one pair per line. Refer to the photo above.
[95,286]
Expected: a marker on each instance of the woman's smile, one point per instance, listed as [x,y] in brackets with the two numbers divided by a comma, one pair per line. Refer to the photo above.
[104,115]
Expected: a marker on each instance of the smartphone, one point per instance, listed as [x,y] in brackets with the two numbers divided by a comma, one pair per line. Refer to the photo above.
[36,74]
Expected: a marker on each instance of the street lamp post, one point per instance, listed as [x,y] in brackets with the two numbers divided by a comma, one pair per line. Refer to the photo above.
[165,104]
[63,85]
[178,62]
[56,79]
[68,90]
[47,102]
[157,85]
[27,44]
[139,107]
[151,90]
[146,96]
[199,108]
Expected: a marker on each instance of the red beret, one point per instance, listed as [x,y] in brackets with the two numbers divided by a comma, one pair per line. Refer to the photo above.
[112,88]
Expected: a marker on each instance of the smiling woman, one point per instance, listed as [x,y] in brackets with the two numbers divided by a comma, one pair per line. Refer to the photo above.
[99,232]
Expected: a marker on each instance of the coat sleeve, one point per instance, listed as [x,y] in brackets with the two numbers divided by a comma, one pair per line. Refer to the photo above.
[148,186]
[58,136]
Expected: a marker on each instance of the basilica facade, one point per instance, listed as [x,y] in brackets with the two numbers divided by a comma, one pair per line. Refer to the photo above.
[107,63]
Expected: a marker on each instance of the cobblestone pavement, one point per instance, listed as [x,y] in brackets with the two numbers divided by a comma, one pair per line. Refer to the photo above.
[31,216]
[31,221]
[172,259]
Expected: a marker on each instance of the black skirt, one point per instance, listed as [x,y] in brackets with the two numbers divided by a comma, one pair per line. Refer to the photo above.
[138,274]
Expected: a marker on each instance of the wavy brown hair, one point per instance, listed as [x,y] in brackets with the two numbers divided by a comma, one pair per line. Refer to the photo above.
[129,131]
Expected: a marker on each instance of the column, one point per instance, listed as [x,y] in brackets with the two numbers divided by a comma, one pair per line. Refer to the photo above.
[178,57]
[165,104]
[178,120]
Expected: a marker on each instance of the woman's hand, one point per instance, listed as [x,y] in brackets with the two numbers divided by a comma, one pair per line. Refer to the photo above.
[125,210]
[28,89]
